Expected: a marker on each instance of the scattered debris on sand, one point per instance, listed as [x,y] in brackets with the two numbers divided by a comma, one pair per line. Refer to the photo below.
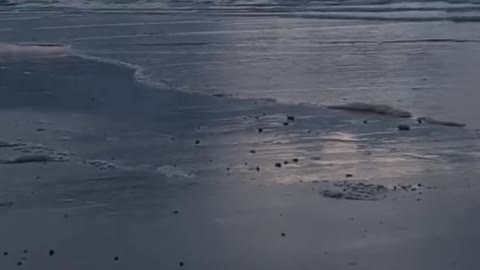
[439,122]
[34,158]
[173,171]
[372,108]
[101,164]
[356,191]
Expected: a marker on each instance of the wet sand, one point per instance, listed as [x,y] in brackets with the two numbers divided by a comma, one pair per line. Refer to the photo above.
[153,179]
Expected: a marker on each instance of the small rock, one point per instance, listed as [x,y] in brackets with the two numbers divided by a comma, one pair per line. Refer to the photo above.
[40,129]
[180,263]
[175,211]
[285,123]
[403,127]
[51,252]
[5,253]
[253,151]
[295,160]
[278,165]
[25,251]
[365,121]
[19,263]
[115,258]
[260,130]
[348,175]
[290,118]
[65,216]
[197,142]
[285,162]
[257,168]
[283,234]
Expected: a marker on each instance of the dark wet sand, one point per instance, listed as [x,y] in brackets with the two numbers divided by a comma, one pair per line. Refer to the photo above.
[158,179]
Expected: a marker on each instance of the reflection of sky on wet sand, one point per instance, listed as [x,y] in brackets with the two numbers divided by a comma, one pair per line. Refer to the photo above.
[288,59]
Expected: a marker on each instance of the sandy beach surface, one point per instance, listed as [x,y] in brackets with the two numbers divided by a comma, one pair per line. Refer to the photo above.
[117,153]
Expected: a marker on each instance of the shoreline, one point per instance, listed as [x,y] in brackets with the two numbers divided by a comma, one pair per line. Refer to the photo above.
[151,211]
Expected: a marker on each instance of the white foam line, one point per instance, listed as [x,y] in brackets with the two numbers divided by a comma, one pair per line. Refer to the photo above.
[196,33]
[139,73]
[116,24]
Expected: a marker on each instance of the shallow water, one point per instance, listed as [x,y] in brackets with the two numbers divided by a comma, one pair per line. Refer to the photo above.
[293,52]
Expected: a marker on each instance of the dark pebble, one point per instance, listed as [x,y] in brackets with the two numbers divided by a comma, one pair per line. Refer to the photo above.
[290,118]
[115,258]
[365,121]
[285,162]
[278,165]
[181,263]
[309,131]
[285,124]
[403,127]
[260,130]
[25,251]
[5,253]
[283,234]
[65,216]
[257,168]
[295,160]
[51,252]
[19,263]
[175,212]
[228,169]
[348,175]
[40,129]
[253,151]
[197,142]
